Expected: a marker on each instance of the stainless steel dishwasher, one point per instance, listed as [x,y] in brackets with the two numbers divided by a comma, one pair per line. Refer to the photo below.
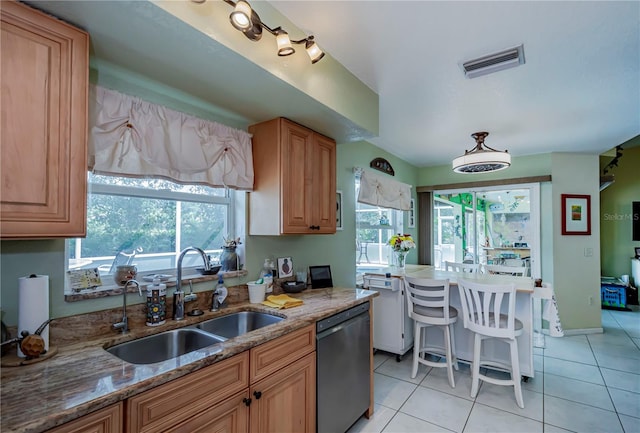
[343,376]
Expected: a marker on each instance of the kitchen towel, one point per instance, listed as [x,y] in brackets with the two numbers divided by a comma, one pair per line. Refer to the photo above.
[282,301]
[33,306]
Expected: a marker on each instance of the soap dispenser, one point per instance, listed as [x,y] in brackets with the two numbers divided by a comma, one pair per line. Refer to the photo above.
[156,303]
[267,275]
[219,295]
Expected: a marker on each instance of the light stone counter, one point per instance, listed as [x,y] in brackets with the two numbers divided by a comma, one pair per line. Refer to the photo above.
[83,377]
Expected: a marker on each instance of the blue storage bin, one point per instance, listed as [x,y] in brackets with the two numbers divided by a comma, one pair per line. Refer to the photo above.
[613,295]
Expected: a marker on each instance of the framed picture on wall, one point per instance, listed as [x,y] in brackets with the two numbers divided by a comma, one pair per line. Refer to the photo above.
[339,210]
[576,214]
[411,223]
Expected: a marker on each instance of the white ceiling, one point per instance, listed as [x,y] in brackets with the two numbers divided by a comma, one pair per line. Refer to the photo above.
[579,90]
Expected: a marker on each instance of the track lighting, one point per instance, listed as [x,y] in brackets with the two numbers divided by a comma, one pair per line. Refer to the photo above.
[246,20]
[284,43]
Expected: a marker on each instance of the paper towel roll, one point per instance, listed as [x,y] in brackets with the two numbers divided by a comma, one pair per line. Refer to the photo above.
[33,306]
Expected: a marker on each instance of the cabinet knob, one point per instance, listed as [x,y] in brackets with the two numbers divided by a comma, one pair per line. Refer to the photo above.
[258,394]
[315,227]
[246,401]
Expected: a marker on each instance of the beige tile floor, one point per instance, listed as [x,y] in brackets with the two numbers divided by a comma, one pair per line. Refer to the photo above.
[584,383]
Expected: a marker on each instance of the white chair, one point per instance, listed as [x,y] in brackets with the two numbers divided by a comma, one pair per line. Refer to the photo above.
[428,302]
[482,305]
[516,271]
[461,267]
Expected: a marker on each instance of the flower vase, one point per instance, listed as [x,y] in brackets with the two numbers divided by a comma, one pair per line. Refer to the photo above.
[229,259]
[401,255]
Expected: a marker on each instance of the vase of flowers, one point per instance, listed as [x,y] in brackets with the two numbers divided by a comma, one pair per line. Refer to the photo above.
[401,245]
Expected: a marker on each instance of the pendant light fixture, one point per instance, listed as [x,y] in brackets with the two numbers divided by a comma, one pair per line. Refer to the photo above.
[482,158]
[246,20]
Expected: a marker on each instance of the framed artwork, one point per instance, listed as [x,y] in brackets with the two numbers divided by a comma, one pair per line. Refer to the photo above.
[576,214]
[285,267]
[412,215]
[338,210]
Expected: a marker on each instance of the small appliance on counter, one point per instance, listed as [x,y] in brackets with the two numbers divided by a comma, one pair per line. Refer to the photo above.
[320,276]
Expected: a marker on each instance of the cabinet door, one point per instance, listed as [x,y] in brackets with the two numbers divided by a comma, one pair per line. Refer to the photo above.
[324,184]
[106,420]
[230,416]
[45,70]
[286,400]
[297,158]
[178,401]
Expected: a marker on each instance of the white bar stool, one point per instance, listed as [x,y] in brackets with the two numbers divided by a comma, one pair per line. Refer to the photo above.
[481,310]
[462,267]
[428,305]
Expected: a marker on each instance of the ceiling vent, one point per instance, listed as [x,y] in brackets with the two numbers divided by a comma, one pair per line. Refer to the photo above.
[494,62]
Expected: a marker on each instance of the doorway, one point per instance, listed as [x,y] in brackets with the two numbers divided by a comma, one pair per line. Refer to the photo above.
[493,225]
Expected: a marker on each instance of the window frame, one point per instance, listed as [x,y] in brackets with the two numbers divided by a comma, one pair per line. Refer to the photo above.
[228,200]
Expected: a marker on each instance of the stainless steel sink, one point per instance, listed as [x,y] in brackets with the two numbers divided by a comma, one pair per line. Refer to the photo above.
[235,324]
[164,346]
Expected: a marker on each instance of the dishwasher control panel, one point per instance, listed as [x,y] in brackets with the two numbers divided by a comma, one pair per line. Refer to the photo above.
[341,317]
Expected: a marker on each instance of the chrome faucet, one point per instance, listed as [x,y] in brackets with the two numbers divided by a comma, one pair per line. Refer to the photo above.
[124,323]
[178,295]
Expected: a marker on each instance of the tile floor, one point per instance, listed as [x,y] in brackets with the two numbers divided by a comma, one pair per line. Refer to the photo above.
[584,383]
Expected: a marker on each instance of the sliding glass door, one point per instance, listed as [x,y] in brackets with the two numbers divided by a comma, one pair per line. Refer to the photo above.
[497,225]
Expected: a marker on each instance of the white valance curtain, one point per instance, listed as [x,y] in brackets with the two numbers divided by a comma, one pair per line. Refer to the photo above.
[381,191]
[134,138]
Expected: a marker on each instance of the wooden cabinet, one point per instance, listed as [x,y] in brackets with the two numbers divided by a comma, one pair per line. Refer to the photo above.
[283,384]
[295,180]
[286,401]
[270,388]
[175,403]
[43,157]
[106,420]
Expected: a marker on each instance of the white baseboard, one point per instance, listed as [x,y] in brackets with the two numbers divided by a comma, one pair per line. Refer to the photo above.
[568,332]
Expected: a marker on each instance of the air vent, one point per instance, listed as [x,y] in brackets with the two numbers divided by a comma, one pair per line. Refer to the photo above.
[494,62]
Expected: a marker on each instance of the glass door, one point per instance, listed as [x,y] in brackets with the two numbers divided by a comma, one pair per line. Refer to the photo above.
[498,225]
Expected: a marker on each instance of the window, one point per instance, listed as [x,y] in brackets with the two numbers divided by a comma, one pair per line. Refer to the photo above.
[374,227]
[147,222]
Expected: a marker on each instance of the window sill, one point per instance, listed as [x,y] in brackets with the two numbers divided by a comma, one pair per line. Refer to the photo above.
[114,290]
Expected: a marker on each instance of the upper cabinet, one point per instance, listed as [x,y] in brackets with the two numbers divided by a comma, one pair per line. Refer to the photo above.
[295,180]
[43,159]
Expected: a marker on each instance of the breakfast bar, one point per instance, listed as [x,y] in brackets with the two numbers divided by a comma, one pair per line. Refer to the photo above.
[492,350]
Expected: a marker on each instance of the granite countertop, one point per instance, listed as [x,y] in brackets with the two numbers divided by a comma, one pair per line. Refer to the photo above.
[83,377]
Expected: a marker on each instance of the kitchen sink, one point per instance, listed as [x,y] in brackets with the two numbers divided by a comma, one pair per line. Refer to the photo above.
[164,346]
[235,324]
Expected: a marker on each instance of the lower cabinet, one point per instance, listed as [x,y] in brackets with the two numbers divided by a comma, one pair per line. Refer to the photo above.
[270,388]
[230,416]
[286,401]
[105,420]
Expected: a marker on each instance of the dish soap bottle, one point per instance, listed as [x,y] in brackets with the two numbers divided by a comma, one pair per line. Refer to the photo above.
[267,276]
[156,303]
[219,295]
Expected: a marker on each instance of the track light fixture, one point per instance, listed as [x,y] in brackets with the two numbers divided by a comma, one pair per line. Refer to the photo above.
[246,20]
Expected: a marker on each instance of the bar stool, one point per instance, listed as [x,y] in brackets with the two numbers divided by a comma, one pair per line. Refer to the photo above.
[428,302]
[461,267]
[481,310]
[516,271]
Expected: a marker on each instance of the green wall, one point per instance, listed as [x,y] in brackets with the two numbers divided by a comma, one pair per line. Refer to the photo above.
[21,258]
[615,212]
